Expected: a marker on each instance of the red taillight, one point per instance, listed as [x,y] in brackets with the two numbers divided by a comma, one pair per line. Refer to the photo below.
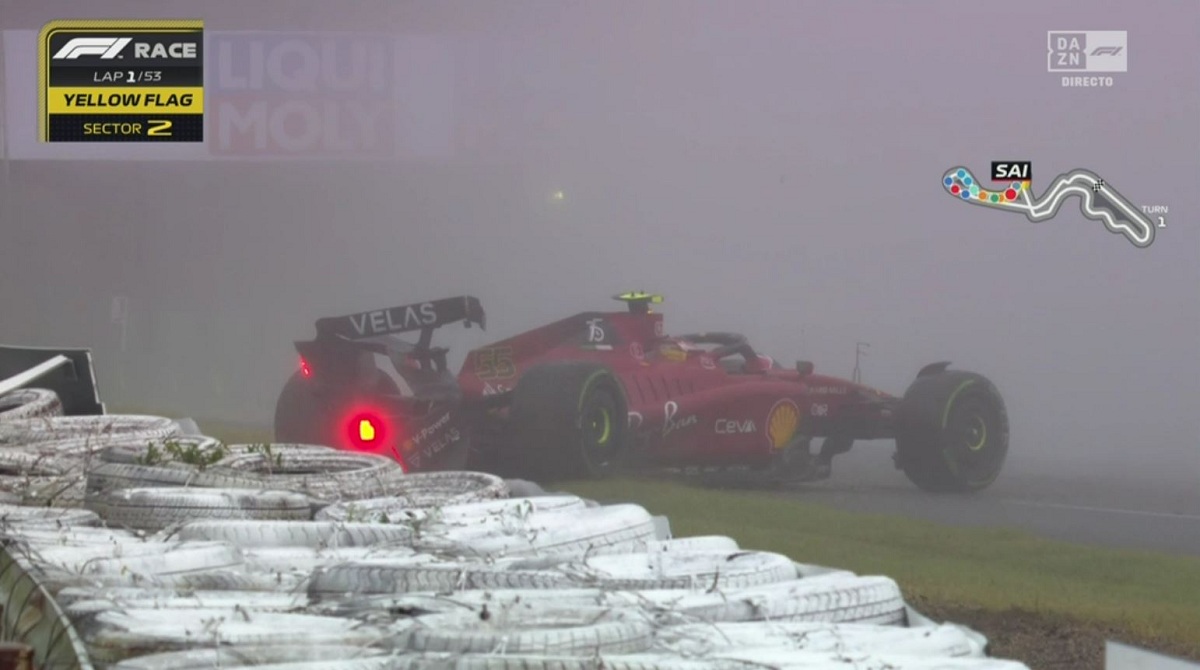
[370,428]
[367,430]
[304,369]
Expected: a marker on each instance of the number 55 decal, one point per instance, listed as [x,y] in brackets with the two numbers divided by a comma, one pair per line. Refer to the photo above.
[495,364]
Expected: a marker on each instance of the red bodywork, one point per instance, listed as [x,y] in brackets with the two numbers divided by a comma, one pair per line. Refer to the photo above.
[685,408]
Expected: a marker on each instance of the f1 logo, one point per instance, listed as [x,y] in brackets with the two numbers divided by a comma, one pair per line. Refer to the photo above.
[1087,51]
[106,48]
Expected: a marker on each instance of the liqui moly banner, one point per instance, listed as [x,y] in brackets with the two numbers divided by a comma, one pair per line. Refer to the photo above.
[279,95]
[273,94]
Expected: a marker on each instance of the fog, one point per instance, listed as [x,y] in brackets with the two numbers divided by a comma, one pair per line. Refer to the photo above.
[770,167]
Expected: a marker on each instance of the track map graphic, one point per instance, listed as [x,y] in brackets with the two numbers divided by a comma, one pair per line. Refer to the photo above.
[1099,201]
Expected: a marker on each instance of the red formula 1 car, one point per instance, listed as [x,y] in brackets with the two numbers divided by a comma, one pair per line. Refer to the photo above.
[600,392]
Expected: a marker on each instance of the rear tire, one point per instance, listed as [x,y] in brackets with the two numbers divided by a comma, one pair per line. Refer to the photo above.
[301,417]
[952,432]
[568,421]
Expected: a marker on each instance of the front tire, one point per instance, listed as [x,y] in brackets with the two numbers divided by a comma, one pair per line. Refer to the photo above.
[952,432]
[568,421]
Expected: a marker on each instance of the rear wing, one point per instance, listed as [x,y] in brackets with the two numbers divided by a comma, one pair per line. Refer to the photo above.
[343,343]
[67,372]
[421,316]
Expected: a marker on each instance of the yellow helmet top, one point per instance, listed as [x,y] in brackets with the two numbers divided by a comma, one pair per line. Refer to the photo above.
[639,301]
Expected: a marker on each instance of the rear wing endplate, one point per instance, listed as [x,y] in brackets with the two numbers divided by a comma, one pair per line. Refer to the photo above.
[420,316]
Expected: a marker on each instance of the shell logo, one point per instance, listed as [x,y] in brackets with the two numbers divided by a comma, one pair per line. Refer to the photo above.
[782,422]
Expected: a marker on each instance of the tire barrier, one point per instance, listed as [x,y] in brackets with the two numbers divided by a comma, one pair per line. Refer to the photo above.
[158,508]
[535,632]
[323,475]
[308,534]
[29,404]
[419,491]
[163,550]
[99,430]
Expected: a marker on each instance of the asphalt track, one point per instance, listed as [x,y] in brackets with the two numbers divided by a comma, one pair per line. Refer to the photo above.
[1113,504]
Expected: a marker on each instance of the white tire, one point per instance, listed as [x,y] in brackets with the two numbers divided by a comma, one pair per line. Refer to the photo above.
[141,563]
[78,559]
[547,631]
[238,579]
[245,448]
[848,638]
[232,604]
[301,561]
[395,510]
[623,572]
[170,450]
[870,600]
[705,543]
[418,491]
[226,658]
[17,462]
[29,403]
[812,570]
[856,599]
[15,516]
[687,570]
[78,451]
[158,508]
[328,475]
[182,559]
[220,579]
[378,607]
[574,532]
[451,487]
[116,635]
[516,508]
[310,534]
[524,488]
[381,576]
[786,659]
[90,600]
[112,476]
[70,536]
[533,599]
[431,661]
[84,428]
[28,476]
[65,491]
[835,598]
[376,663]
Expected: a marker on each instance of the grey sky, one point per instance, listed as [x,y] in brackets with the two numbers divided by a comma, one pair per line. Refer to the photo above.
[769,166]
